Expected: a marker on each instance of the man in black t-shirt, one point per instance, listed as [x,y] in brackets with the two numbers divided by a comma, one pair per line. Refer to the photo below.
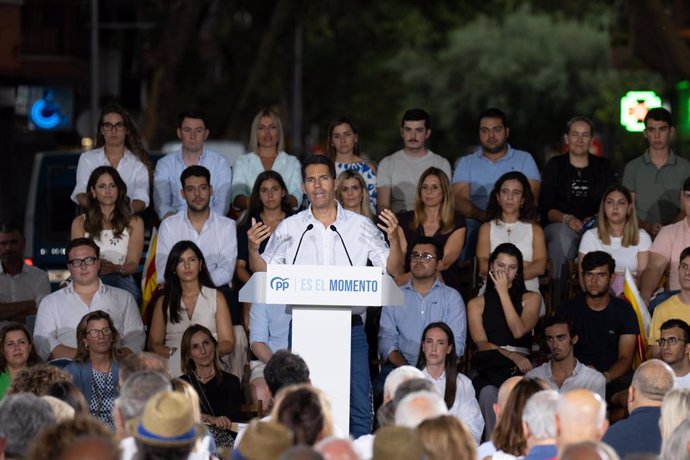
[607,326]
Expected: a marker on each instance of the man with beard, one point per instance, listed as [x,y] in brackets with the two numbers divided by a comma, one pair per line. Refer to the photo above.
[606,325]
[476,173]
[564,372]
[572,187]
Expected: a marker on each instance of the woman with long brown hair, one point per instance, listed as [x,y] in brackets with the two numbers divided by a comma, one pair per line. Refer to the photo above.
[16,353]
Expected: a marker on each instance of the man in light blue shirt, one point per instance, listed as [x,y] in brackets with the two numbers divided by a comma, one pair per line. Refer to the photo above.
[475,174]
[192,131]
[427,300]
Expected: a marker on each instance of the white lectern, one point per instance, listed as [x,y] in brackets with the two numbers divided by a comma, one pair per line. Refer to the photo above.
[321,298]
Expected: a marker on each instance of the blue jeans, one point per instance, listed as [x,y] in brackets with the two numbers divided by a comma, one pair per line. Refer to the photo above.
[361,409]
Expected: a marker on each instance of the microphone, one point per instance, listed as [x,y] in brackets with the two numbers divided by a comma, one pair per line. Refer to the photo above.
[309,227]
[332,227]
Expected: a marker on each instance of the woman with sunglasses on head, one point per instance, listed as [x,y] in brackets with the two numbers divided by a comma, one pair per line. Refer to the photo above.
[94,369]
[107,220]
[118,144]
[17,353]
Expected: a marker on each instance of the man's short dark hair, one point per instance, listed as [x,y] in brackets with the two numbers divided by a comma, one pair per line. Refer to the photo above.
[318,160]
[659,114]
[595,259]
[685,253]
[285,368]
[195,171]
[191,113]
[11,227]
[556,319]
[82,242]
[493,112]
[431,241]
[679,323]
[416,115]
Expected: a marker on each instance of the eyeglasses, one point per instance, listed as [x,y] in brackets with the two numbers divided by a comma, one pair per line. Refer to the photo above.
[671,341]
[96,332]
[424,256]
[119,126]
[88,261]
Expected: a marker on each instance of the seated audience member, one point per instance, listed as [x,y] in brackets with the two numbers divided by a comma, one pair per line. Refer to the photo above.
[188,298]
[220,393]
[22,418]
[606,326]
[673,348]
[508,436]
[214,438]
[399,172]
[94,369]
[674,409]
[263,441]
[539,425]
[675,307]
[60,312]
[665,254]
[487,449]
[476,173]
[129,406]
[434,217]
[61,410]
[446,437]
[351,193]
[426,300]
[108,221]
[118,144]
[59,440]
[268,333]
[439,364]
[333,448]
[71,395]
[512,218]
[580,417]
[639,433]
[676,446]
[142,361]
[654,176]
[37,379]
[398,376]
[385,416]
[501,322]
[398,442]
[563,372]
[22,286]
[590,450]
[343,149]
[16,353]
[166,428]
[416,407]
[192,130]
[266,152]
[306,412]
[617,233]
[571,190]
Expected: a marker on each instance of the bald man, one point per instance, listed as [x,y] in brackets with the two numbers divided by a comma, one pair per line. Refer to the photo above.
[487,449]
[639,433]
[580,416]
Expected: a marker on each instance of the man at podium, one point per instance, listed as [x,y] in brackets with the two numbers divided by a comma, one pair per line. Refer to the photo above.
[327,234]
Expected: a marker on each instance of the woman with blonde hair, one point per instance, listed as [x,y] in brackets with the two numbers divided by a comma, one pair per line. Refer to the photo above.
[446,437]
[617,233]
[674,409]
[434,215]
[266,151]
[352,194]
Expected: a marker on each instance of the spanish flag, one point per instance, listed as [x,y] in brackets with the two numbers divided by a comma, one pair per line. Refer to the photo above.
[148,279]
[632,295]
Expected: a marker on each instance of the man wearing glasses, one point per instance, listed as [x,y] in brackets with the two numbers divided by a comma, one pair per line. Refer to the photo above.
[674,346]
[427,300]
[60,312]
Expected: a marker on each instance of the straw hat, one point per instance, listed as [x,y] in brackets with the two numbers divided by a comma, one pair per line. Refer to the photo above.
[263,441]
[397,443]
[168,420]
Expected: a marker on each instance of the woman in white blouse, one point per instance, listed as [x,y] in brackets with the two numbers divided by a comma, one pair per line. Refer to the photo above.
[266,151]
[618,234]
[439,364]
[118,144]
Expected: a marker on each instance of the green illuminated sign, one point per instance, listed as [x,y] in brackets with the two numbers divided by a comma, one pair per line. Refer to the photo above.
[634,107]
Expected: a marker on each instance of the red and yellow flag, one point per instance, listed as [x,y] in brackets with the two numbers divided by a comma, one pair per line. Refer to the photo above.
[148,278]
[632,295]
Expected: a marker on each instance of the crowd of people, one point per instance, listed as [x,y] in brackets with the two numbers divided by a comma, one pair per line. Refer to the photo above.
[455,375]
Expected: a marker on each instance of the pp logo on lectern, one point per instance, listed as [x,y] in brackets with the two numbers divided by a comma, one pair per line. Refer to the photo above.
[279,284]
